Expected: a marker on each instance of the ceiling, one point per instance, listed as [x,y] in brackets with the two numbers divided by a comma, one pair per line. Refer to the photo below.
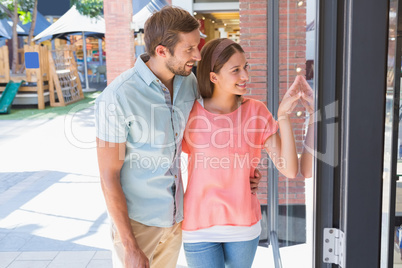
[231,19]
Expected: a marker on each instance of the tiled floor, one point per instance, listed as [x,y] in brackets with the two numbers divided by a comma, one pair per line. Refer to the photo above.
[42,259]
[52,213]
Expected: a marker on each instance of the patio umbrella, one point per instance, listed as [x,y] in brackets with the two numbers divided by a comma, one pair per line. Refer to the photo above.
[73,22]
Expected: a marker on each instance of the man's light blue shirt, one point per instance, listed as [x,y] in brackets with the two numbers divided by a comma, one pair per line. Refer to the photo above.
[136,109]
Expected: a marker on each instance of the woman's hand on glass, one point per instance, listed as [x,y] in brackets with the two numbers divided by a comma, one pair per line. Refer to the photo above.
[290,99]
[307,97]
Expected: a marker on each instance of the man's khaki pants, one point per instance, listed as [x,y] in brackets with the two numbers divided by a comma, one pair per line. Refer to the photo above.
[160,245]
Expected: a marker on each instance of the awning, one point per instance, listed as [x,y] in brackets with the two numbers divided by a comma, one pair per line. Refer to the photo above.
[141,16]
[72,22]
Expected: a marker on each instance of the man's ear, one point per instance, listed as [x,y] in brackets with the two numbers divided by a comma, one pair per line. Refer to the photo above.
[161,51]
[212,77]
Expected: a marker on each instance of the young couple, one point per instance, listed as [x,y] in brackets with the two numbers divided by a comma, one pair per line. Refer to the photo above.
[150,113]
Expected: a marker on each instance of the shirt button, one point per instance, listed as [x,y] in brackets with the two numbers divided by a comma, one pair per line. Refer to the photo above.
[176,134]
[175,176]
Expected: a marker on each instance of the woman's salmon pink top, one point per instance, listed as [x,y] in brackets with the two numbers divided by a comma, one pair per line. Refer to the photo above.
[224,150]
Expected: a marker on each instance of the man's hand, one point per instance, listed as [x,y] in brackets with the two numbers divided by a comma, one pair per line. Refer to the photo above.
[135,258]
[254,181]
[111,159]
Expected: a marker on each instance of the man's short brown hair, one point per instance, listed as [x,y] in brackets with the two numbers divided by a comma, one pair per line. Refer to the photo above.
[164,26]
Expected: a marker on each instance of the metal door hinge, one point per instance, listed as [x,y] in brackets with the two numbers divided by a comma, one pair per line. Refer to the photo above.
[334,246]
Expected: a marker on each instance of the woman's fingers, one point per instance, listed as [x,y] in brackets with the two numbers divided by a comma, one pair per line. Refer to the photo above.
[295,87]
[300,89]
[305,87]
[308,98]
[289,103]
[307,102]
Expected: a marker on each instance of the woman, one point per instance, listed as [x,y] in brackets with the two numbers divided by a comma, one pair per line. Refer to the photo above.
[223,137]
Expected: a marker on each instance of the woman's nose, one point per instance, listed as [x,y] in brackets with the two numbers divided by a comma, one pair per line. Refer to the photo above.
[244,75]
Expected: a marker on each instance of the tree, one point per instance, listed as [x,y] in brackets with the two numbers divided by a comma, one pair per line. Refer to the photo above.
[91,8]
[17,10]
[33,22]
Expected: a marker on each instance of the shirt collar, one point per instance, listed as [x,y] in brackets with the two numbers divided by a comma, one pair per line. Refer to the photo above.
[142,69]
[148,76]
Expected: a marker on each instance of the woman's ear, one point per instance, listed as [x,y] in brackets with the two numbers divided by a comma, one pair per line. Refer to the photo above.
[212,77]
[160,51]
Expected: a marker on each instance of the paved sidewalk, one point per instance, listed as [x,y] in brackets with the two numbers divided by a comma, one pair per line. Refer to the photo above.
[52,213]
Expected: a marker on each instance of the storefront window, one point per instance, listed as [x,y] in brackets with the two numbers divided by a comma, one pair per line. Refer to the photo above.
[388,176]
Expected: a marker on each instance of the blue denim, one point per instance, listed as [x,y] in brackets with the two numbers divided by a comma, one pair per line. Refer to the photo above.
[220,255]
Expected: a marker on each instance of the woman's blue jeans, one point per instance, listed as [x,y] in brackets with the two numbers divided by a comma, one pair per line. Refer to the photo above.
[220,255]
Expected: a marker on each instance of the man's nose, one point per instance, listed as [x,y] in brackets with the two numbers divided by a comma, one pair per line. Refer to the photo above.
[197,55]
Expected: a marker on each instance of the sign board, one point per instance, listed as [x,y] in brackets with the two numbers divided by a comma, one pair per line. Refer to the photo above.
[31,60]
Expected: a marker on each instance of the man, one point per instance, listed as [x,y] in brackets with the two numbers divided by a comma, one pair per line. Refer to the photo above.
[140,119]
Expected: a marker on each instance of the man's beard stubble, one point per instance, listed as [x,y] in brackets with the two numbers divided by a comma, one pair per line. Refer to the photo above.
[179,70]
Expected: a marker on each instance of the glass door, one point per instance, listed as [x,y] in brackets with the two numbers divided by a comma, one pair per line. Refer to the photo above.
[288,203]
[349,85]
[349,166]
[391,229]
[293,225]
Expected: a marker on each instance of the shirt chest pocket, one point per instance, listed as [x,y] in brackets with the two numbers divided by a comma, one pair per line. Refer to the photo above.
[155,131]
[138,131]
